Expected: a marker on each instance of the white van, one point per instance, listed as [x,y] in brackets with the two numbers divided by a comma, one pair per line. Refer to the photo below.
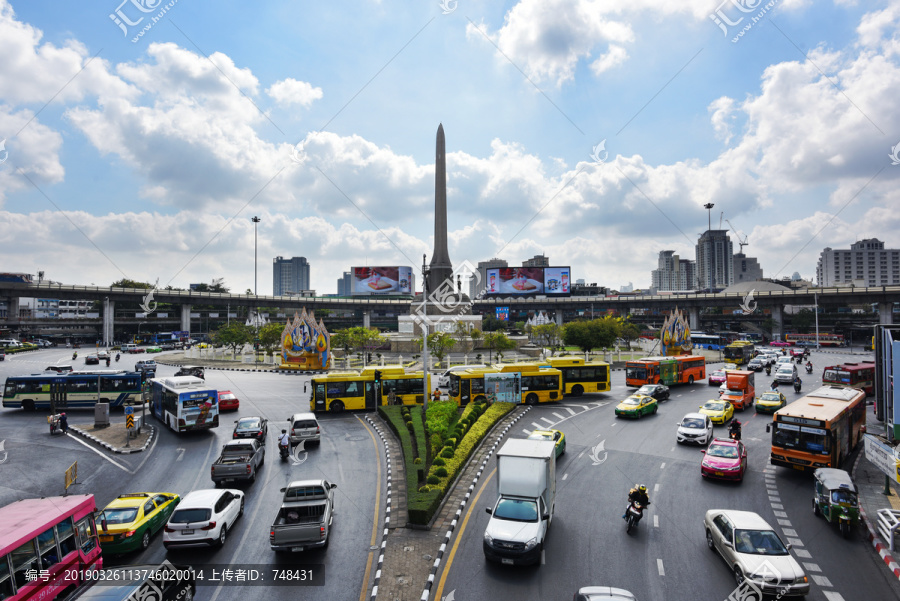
[443,380]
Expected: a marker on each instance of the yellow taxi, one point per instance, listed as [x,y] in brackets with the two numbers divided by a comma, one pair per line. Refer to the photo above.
[719,411]
[131,519]
[558,438]
[770,402]
[636,405]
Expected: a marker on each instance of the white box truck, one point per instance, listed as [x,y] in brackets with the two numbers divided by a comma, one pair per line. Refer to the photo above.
[526,482]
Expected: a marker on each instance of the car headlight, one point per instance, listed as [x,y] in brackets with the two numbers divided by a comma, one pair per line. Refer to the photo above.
[704,464]
[530,544]
[488,538]
[732,468]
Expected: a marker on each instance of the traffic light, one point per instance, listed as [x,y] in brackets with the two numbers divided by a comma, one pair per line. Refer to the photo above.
[377,377]
[368,357]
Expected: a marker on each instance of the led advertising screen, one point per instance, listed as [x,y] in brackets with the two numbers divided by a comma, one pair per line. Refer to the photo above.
[382,280]
[503,313]
[515,280]
[557,280]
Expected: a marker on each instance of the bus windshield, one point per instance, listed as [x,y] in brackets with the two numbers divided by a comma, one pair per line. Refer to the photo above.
[802,438]
[636,373]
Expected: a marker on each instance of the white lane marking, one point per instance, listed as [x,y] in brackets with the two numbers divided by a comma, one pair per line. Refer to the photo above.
[802,553]
[613,424]
[656,487]
[789,532]
[566,475]
[663,466]
[659,566]
[812,567]
[558,415]
[821,580]
[774,499]
[118,465]
[655,521]
[204,470]
[549,421]
[796,542]
[672,450]
[543,558]
[571,411]
[526,430]
[537,426]
[180,454]
[784,523]
[581,454]
[833,596]
[777,506]
[583,408]
[780,514]
[3,453]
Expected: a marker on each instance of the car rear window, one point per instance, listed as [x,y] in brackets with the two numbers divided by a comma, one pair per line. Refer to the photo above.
[305,423]
[185,516]
[120,516]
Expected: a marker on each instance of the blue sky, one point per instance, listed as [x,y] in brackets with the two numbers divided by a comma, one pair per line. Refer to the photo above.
[145,157]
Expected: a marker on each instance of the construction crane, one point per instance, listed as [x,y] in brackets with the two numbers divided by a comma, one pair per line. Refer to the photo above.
[743,242]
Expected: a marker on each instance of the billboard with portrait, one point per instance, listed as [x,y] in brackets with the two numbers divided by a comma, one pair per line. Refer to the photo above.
[502,313]
[382,280]
[557,280]
[514,280]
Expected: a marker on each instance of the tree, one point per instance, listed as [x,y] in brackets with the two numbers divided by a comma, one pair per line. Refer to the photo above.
[126,283]
[476,335]
[270,337]
[341,339]
[804,320]
[461,334]
[519,326]
[364,340]
[497,341]
[629,332]
[492,324]
[547,335]
[588,335]
[234,335]
[439,344]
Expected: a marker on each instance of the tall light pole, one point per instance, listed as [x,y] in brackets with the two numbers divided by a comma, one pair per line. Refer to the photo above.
[425,383]
[255,221]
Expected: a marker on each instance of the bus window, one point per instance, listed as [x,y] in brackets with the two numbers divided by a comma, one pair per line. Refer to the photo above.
[636,373]
[6,586]
[23,559]
[87,535]
[47,546]
[66,532]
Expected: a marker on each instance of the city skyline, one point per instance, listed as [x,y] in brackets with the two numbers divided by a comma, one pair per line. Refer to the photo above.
[142,151]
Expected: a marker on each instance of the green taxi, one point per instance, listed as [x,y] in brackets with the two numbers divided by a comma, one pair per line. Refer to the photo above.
[770,402]
[131,519]
[719,411]
[636,405]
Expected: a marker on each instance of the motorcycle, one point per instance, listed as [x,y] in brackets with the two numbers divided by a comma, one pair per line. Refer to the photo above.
[797,386]
[633,515]
[107,362]
[74,356]
[768,370]
[117,357]
[809,368]
[734,434]
[284,451]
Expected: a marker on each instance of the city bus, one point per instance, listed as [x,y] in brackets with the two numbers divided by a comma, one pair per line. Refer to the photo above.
[853,375]
[738,353]
[184,403]
[46,546]
[483,384]
[578,376]
[712,342]
[810,339]
[818,430]
[682,369]
[351,391]
[72,390]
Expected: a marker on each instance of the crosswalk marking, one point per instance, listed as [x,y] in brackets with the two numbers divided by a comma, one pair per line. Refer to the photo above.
[558,415]
[571,411]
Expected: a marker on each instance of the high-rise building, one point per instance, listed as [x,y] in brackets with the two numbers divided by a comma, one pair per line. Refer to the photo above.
[867,263]
[673,273]
[715,260]
[536,261]
[477,285]
[289,276]
[344,284]
[746,269]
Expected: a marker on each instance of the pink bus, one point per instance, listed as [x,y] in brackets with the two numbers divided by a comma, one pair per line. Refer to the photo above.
[46,546]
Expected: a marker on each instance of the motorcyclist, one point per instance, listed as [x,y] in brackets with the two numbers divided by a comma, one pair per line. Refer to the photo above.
[118,356]
[768,369]
[107,362]
[638,494]
[775,385]
[64,422]
[734,429]
[74,355]
[809,367]
[797,384]
[284,441]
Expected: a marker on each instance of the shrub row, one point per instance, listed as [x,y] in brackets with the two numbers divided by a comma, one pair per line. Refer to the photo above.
[440,416]
[419,435]
[454,460]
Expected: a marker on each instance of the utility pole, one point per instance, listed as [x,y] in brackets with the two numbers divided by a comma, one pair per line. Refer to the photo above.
[255,221]
[425,383]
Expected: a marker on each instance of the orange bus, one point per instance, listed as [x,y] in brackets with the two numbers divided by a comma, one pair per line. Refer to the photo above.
[46,546]
[854,375]
[818,430]
[684,369]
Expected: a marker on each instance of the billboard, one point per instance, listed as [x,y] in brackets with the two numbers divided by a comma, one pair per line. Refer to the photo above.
[515,280]
[503,313]
[557,280]
[382,280]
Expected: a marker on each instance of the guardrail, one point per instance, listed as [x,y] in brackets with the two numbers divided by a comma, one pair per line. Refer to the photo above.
[888,524]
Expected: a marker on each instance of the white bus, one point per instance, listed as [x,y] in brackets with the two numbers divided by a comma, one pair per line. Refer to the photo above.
[184,403]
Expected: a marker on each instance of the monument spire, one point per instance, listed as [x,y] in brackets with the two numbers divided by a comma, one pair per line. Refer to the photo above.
[440,266]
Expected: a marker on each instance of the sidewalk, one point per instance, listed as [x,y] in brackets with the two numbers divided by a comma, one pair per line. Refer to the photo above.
[411,556]
[869,481]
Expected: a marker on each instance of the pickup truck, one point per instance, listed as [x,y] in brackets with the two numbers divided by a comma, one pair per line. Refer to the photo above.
[240,460]
[304,519]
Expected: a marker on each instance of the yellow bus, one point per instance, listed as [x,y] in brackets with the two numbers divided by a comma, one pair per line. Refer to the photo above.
[739,352]
[580,376]
[350,391]
[521,383]
[818,430]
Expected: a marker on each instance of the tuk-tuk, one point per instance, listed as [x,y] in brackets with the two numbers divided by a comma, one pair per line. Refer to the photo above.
[836,498]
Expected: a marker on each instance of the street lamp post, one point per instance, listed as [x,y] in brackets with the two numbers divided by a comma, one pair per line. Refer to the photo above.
[255,221]
[139,330]
[425,362]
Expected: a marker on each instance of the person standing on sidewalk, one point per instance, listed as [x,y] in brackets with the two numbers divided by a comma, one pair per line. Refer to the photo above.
[436,395]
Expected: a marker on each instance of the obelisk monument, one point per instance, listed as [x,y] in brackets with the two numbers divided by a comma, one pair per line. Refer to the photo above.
[440,267]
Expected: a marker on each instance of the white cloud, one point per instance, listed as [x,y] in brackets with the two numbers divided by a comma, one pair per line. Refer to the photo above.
[722,111]
[612,59]
[290,91]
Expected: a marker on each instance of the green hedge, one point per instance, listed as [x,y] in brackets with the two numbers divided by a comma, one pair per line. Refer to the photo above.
[419,432]
[441,416]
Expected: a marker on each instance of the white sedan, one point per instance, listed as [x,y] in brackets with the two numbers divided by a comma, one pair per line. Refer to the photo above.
[696,428]
[203,518]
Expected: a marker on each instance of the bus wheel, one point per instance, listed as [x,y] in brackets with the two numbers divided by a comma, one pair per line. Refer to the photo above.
[28,405]
[577,390]
[337,407]
[690,379]
[531,399]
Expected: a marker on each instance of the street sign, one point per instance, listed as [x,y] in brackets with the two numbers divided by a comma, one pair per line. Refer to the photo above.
[129,422]
[71,475]
[883,456]
[129,410]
